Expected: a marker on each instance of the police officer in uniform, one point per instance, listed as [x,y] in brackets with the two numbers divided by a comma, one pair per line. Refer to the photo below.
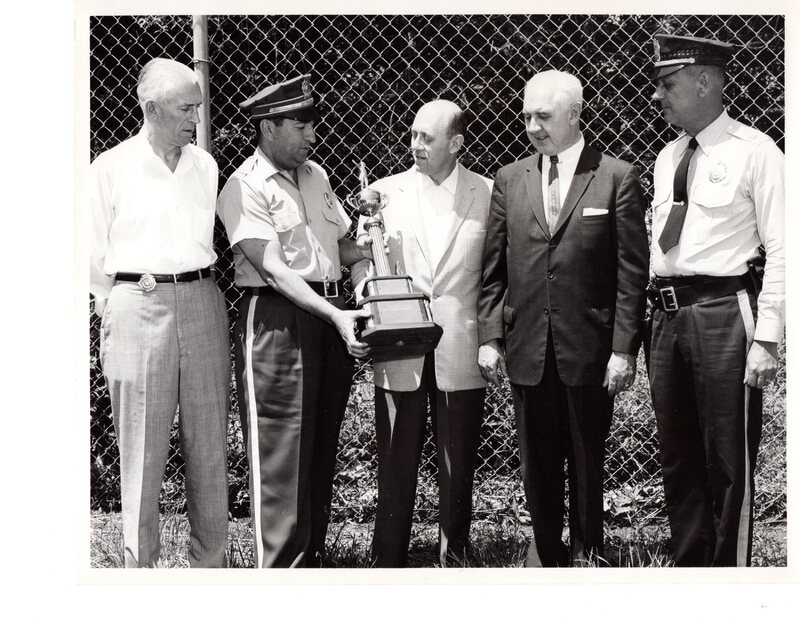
[718,202]
[294,339]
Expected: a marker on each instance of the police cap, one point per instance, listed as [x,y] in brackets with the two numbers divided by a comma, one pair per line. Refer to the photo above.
[289,99]
[672,53]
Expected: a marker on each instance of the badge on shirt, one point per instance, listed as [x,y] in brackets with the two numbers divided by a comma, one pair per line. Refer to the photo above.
[328,199]
[718,172]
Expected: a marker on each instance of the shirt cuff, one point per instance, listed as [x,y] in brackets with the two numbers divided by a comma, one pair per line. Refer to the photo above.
[768,330]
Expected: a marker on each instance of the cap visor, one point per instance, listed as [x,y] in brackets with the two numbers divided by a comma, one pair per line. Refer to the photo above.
[302,115]
[660,72]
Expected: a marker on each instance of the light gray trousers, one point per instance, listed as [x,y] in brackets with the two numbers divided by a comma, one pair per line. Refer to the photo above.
[159,350]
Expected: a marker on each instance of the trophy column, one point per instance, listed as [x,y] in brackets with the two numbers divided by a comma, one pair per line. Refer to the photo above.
[401,324]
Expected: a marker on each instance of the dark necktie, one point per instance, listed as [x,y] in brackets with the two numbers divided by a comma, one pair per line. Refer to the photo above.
[553,196]
[680,200]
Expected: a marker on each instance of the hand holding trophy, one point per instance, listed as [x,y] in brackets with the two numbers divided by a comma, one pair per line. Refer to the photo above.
[401,324]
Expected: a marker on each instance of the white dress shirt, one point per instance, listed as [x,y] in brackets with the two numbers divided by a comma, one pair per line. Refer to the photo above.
[736,203]
[567,163]
[146,218]
[436,203]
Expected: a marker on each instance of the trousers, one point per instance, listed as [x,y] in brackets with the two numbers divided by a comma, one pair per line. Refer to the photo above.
[165,350]
[709,427]
[293,376]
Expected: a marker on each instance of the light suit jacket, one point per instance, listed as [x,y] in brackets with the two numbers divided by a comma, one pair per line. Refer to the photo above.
[452,284]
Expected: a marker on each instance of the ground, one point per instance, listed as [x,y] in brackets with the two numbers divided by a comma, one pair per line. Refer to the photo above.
[500,543]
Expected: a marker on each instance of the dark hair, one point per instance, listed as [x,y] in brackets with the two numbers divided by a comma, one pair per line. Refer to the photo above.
[278,120]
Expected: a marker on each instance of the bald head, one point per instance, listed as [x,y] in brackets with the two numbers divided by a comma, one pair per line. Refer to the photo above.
[437,135]
[551,110]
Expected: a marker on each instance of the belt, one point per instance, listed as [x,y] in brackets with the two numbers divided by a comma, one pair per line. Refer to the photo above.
[148,281]
[326,289]
[669,293]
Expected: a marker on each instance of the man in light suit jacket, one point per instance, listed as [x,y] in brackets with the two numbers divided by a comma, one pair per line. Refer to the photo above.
[435,222]
[562,298]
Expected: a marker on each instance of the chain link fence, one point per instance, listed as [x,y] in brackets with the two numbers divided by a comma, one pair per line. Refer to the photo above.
[370,74]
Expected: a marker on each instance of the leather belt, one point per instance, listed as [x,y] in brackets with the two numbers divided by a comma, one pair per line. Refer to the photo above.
[670,293]
[148,281]
[326,289]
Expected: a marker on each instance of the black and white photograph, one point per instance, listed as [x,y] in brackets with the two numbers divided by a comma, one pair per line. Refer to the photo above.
[448,294]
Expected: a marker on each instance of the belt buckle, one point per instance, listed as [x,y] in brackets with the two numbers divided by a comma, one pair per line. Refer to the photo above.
[669,301]
[147,282]
[330,289]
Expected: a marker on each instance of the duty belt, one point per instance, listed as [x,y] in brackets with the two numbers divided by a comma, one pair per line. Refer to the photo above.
[670,293]
[148,281]
[326,289]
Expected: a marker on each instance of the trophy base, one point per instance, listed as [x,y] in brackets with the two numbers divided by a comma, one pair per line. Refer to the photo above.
[401,324]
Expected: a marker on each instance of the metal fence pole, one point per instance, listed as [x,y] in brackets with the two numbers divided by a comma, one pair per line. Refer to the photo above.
[200,62]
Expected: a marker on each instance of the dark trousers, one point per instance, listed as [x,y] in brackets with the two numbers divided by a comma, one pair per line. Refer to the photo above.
[400,428]
[709,427]
[554,422]
[293,379]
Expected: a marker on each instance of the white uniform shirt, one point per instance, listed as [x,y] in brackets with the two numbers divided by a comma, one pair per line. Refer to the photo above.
[567,164]
[436,204]
[146,218]
[260,201]
[736,203]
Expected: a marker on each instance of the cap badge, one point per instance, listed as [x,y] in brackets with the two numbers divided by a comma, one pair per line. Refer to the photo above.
[306,87]
[328,199]
[657,50]
[718,172]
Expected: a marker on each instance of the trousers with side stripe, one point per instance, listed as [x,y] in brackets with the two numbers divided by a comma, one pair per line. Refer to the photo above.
[709,427]
[161,349]
[293,376]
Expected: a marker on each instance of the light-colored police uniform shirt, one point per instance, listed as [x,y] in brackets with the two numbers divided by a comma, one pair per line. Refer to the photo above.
[436,204]
[736,203]
[146,218]
[259,201]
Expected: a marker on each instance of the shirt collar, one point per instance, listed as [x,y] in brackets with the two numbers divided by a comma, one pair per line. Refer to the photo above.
[270,170]
[571,154]
[146,153]
[425,182]
[710,135]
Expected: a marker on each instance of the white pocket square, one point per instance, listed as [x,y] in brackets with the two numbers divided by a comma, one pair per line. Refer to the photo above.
[593,212]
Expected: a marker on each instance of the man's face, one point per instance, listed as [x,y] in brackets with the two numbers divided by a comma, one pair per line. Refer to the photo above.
[290,142]
[178,115]
[678,96]
[551,124]
[434,151]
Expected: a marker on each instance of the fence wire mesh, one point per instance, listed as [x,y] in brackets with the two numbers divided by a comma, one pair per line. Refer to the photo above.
[370,74]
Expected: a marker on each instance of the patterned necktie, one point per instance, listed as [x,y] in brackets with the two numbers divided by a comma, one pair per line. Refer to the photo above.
[680,198]
[553,195]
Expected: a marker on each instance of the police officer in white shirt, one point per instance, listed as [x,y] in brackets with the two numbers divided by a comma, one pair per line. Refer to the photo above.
[164,333]
[718,202]
[295,340]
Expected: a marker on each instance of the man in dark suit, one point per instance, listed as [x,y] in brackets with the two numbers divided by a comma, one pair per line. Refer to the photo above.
[562,298]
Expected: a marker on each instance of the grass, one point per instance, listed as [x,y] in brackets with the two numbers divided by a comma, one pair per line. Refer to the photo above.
[495,544]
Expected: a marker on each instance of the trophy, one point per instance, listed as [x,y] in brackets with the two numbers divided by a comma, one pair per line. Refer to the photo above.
[401,324]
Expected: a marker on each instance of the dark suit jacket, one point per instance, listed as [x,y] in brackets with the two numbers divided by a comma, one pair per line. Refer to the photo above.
[587,281]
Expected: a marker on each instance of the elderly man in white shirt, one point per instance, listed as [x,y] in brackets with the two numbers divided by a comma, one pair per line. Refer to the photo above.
[718,197]
[164,334]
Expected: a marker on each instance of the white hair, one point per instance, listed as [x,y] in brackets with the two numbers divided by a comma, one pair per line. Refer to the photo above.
[559,81]
[160,77]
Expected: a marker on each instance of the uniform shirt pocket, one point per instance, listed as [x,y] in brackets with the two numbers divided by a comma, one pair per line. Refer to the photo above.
[285,216]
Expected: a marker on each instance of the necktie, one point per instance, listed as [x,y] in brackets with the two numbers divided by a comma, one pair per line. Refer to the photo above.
[553,196]
[672,230]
